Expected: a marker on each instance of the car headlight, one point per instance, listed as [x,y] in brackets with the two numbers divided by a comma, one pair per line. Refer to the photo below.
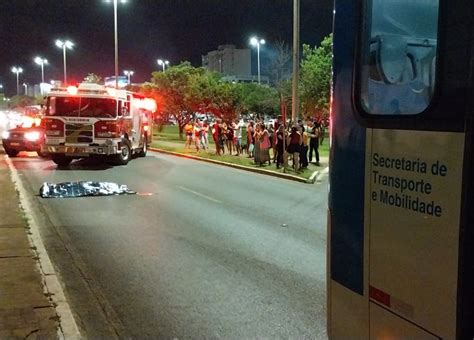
[32,136]
[5,135]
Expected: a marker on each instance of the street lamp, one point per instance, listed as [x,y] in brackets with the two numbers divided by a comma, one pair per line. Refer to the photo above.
[41,61]
[17,70]
[128,74]
[163,63]
[26,88]
[254,41]
[116,37]
[64,45]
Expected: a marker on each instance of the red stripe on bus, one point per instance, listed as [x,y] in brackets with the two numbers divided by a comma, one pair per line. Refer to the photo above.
[379,296]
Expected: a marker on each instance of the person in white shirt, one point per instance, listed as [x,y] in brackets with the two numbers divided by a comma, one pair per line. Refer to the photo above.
[238,137]
[204,134]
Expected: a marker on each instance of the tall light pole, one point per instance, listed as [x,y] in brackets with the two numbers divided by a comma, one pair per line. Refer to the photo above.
[64,45]
[254,41]
[163,63]
[17,70]
[26,88]
[128,74]
[296,61]
[41,61]
[116,36]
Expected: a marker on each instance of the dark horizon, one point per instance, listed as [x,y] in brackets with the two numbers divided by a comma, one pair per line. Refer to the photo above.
[148,30]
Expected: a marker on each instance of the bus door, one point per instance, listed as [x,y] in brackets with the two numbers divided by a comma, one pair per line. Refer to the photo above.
[400,229]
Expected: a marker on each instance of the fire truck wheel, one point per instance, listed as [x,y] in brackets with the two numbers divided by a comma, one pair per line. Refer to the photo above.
[42,154]
[11,153]
[61,160]
[124,156]
[144,150]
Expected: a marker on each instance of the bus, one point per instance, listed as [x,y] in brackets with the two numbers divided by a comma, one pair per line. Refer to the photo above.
[401,188]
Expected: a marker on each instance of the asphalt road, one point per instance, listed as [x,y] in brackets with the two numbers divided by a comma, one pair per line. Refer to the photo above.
[203,251]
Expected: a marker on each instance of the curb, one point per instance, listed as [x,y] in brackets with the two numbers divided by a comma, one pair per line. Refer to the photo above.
[68,328]
[241,167]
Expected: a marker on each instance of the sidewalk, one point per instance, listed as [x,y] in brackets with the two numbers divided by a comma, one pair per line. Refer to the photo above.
[25,310]
[240,162]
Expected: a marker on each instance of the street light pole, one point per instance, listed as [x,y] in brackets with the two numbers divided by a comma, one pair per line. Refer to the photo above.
[17,70]
[163,63]
[296,60]
[116,43]
[41,61]
[64,45]
[128,74]
[116,38]
[256,42]
[26,88]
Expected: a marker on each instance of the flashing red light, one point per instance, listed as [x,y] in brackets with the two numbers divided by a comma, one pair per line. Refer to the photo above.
[72,90]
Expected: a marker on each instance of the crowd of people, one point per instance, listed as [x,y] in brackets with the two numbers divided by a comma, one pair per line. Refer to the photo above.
[300,141]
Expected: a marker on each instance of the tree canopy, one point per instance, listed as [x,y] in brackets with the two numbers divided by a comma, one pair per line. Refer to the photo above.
[315,80]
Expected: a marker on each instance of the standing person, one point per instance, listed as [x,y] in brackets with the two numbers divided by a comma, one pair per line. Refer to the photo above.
[279,146]
[197,136]
[276,127]
[304,149]
[188,130]
[223,136]
[216,133]
[265,145]
[250,133]
[294,146]
[313,134]
[238,137]
[256,143]
[204,135]
[230,137]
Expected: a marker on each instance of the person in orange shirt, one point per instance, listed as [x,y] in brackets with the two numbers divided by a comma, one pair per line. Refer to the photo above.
[189,130]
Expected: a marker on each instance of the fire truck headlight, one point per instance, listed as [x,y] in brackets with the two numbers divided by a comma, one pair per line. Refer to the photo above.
[32,136]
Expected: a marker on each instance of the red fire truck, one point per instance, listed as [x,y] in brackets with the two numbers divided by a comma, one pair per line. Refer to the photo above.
[93,120]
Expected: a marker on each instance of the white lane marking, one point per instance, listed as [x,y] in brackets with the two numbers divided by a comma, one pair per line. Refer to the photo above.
[200,195]
[68,328]
[323,173]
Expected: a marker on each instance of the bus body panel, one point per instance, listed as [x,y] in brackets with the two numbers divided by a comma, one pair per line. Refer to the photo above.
[415,181]
[401,271]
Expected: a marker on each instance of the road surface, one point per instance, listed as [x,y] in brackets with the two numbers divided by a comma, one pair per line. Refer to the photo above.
[202,251]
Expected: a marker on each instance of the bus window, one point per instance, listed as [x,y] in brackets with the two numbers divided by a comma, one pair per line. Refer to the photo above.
[398,61]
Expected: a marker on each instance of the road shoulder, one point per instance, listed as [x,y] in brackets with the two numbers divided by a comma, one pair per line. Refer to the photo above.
[26,308]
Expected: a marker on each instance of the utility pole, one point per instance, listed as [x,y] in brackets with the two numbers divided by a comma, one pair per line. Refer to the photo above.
[295,103]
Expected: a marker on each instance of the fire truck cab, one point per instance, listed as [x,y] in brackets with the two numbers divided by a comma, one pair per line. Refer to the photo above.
[93,120]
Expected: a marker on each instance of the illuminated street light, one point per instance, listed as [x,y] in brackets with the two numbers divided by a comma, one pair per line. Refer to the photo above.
[64,45]
[41,61]
[254,41]
[17,70]
[116,37]
[163,63]
[128,74]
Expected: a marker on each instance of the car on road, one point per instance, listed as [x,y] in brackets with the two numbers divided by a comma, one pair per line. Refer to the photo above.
[23,138]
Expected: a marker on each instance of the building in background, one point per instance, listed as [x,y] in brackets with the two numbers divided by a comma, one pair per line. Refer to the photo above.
[234,64]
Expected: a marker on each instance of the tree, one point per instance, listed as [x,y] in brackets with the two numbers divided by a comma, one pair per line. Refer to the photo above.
[93,78]
[279,69]
[315,79]
[21,101]
[255,98]
[173,92]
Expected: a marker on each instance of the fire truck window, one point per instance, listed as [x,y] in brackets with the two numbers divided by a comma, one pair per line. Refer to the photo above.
[399,56]
[63,106]
[98,107]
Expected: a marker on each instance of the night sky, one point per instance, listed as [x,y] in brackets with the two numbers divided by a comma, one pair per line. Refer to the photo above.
[175,30]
